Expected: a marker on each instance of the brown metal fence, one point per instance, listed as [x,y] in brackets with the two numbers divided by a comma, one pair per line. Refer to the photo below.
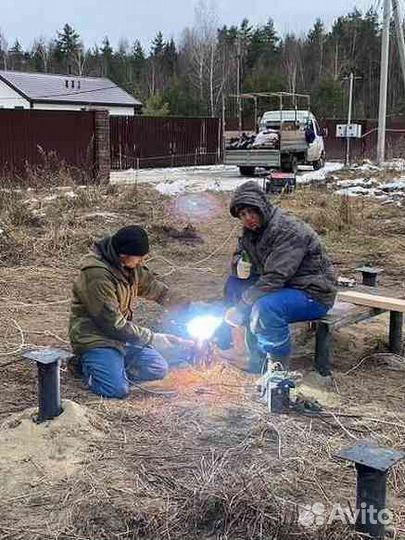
[141,142]
[366,147]
[27,137]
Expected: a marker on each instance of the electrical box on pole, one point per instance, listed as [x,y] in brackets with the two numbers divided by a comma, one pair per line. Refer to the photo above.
[352,131]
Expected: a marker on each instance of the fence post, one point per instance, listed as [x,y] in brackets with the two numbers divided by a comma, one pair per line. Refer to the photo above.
[102,156]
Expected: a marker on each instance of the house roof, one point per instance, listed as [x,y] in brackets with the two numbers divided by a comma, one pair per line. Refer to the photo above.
[49,88]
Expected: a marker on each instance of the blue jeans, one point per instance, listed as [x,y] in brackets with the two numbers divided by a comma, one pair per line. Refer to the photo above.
[271,315]
[109,372]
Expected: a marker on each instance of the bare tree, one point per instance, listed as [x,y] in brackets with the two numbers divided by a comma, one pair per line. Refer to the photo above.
[292,61]
[3,50]
[194,51]
[207,60]
[206,31]
[80,57]
[42,51]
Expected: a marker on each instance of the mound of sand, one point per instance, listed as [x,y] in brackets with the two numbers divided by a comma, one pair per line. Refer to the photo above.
[35,454]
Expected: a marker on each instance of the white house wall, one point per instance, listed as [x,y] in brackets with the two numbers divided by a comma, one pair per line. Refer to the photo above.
[9,98]
[114,111]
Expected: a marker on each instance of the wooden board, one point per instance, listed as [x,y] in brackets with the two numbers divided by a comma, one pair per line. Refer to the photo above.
[344,313]
[372,300]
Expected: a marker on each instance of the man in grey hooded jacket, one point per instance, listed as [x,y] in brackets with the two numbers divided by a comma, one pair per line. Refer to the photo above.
[291,278]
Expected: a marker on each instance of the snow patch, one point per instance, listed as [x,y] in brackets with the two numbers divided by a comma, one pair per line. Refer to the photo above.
[394,186]
[355,182]
[319,175]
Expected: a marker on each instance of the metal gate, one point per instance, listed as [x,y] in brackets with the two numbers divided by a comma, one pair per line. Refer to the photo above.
[27,137]
[140,142]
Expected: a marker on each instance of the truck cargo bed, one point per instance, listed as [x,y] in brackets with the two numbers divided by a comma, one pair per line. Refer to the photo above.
[253,157]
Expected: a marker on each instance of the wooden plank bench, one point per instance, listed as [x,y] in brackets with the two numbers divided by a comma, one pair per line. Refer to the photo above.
[345,313]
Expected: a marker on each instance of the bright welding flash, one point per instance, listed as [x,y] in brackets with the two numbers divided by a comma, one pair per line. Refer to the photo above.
[202,327]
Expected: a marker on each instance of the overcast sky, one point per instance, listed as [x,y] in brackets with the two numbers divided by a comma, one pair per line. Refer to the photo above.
[141,19]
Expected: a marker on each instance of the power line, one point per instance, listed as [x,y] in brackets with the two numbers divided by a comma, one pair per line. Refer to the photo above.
[77,93]
[67,94]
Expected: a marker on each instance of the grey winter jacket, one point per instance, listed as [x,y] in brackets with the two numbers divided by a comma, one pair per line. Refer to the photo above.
[285,252]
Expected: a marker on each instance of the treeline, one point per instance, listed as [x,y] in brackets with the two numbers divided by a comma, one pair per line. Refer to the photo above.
[189,78]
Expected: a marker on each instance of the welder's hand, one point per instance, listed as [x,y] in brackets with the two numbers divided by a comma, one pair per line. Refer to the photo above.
[165,343]
[235,317]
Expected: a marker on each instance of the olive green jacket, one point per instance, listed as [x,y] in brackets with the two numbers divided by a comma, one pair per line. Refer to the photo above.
[103,297]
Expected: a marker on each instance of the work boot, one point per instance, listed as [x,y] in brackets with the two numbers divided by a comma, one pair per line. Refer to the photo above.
[257,358]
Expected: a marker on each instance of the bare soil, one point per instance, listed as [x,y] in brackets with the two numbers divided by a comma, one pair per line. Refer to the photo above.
[210,462]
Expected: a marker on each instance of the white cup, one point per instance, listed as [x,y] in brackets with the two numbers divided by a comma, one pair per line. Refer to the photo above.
[243,269]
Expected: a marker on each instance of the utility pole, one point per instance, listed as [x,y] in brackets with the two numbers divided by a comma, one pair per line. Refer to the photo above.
[239,104]
[349,117]
[382,108]
[400,35]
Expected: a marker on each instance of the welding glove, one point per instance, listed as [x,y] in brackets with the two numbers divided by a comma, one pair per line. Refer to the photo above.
[237,316]
[166,343]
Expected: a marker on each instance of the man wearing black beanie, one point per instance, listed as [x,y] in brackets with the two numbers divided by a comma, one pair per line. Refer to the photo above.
[132,240]
[112,350]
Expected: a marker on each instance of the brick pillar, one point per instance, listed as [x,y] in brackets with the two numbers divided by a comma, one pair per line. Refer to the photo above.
[102,158]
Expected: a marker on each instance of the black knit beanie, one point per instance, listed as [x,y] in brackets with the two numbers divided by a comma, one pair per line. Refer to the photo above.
[131,240]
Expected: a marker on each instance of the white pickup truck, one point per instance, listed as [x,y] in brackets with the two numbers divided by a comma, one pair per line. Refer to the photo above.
[294,138]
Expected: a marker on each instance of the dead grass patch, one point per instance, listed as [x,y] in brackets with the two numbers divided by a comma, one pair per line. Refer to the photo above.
[356,231]
[210,463]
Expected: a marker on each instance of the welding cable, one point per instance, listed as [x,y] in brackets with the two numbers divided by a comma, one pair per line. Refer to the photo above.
[160,393]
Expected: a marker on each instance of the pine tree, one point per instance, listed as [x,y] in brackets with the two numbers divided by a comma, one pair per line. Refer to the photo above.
[264,44]
[106,49]
[158,44]
[106,56]
[169,57]
[68,49]
[67,42]
[16,56]
[156,105]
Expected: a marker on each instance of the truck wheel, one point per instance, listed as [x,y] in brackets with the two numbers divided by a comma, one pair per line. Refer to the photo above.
[319,163]
[247,171]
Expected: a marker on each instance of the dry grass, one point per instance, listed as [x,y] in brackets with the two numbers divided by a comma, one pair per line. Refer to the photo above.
[210,463]
[50,170]
[356,231]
